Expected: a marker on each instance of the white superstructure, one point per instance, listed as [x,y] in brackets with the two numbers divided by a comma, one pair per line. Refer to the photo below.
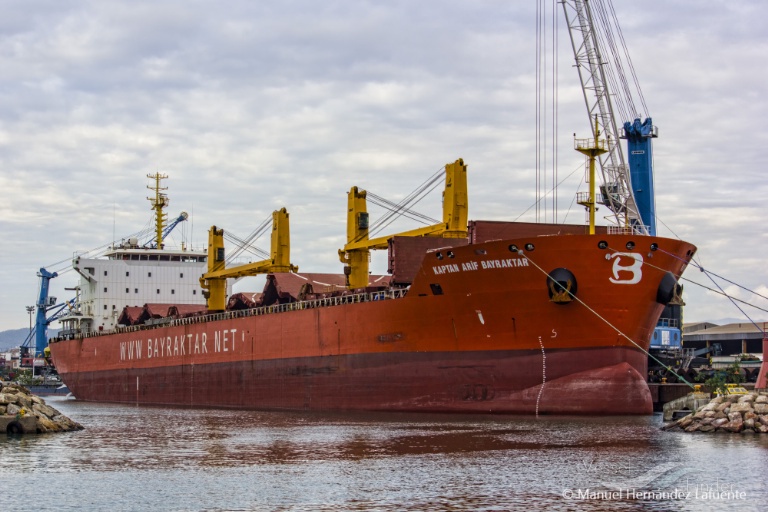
[129,275]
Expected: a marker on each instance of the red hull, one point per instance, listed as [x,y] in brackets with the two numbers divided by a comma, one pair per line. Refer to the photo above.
[469,336]
[495,382]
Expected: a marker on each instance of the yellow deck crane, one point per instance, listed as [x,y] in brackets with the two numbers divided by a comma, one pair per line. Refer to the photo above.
[356,253]
[214,282]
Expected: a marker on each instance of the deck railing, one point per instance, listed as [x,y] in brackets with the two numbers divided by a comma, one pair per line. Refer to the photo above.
[263,310]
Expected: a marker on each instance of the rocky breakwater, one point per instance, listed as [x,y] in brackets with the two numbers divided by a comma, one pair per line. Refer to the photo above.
[21,412]
[732,413]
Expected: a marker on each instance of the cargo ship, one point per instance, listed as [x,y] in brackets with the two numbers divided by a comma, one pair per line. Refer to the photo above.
[473,317]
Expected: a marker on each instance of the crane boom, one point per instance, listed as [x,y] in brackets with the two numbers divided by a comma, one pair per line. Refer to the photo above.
[355,254]
[152,244]
[616,190]
[214,282]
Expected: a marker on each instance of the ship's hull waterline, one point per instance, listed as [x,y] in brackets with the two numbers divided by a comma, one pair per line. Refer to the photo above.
[477,331]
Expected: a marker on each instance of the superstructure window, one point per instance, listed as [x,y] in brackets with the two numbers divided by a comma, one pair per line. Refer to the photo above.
[105,307]
[181,275]
[105,289]
[105,272]
[135,290]
[194,292]
[158,290]
[149,274]
[127,290]
[173,292]
[127,274]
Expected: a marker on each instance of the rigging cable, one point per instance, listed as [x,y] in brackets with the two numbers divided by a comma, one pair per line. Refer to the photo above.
[580,166]
[404,205]
[710,274]
[389,205]
[247,244]
[719,290]
[555,100]
[539,51]
[629,60]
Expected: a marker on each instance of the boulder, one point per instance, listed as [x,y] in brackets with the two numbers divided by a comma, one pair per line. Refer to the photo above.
[761,399]
[706,428]
[700,414]
[24,401]
[761,408]
[719,422]
[736,423]
[763,429]
[45,410]
[723,406]
[741,407]
[749,415]
[747,398]
[749,424]
[684,422]
[12,409]
[45,425]
[720,414]
[15,389]
[65,423]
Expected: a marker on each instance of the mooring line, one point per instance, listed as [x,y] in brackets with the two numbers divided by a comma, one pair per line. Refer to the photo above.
[718,291]
[520,252]
[732,299]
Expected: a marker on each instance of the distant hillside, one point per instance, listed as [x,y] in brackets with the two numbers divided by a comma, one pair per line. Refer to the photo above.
[15,337]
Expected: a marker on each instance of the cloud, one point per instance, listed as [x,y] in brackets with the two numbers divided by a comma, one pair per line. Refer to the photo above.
[251,106]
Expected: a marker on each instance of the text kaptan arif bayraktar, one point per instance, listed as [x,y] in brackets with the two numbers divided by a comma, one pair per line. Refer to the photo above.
[186,344]
[483,264]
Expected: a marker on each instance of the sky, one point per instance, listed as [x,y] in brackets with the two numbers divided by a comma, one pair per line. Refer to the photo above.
[252,106]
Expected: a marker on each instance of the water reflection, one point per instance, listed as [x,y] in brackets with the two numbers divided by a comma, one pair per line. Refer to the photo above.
[190,459]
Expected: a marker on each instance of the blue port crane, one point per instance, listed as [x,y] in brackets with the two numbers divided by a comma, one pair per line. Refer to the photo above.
[47,312]
[603,65]
[602,62]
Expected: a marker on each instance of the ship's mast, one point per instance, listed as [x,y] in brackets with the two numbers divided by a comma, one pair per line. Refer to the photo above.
[158,202]
[592,148]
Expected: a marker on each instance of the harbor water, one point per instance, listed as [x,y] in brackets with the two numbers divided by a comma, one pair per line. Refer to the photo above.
[153,458]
